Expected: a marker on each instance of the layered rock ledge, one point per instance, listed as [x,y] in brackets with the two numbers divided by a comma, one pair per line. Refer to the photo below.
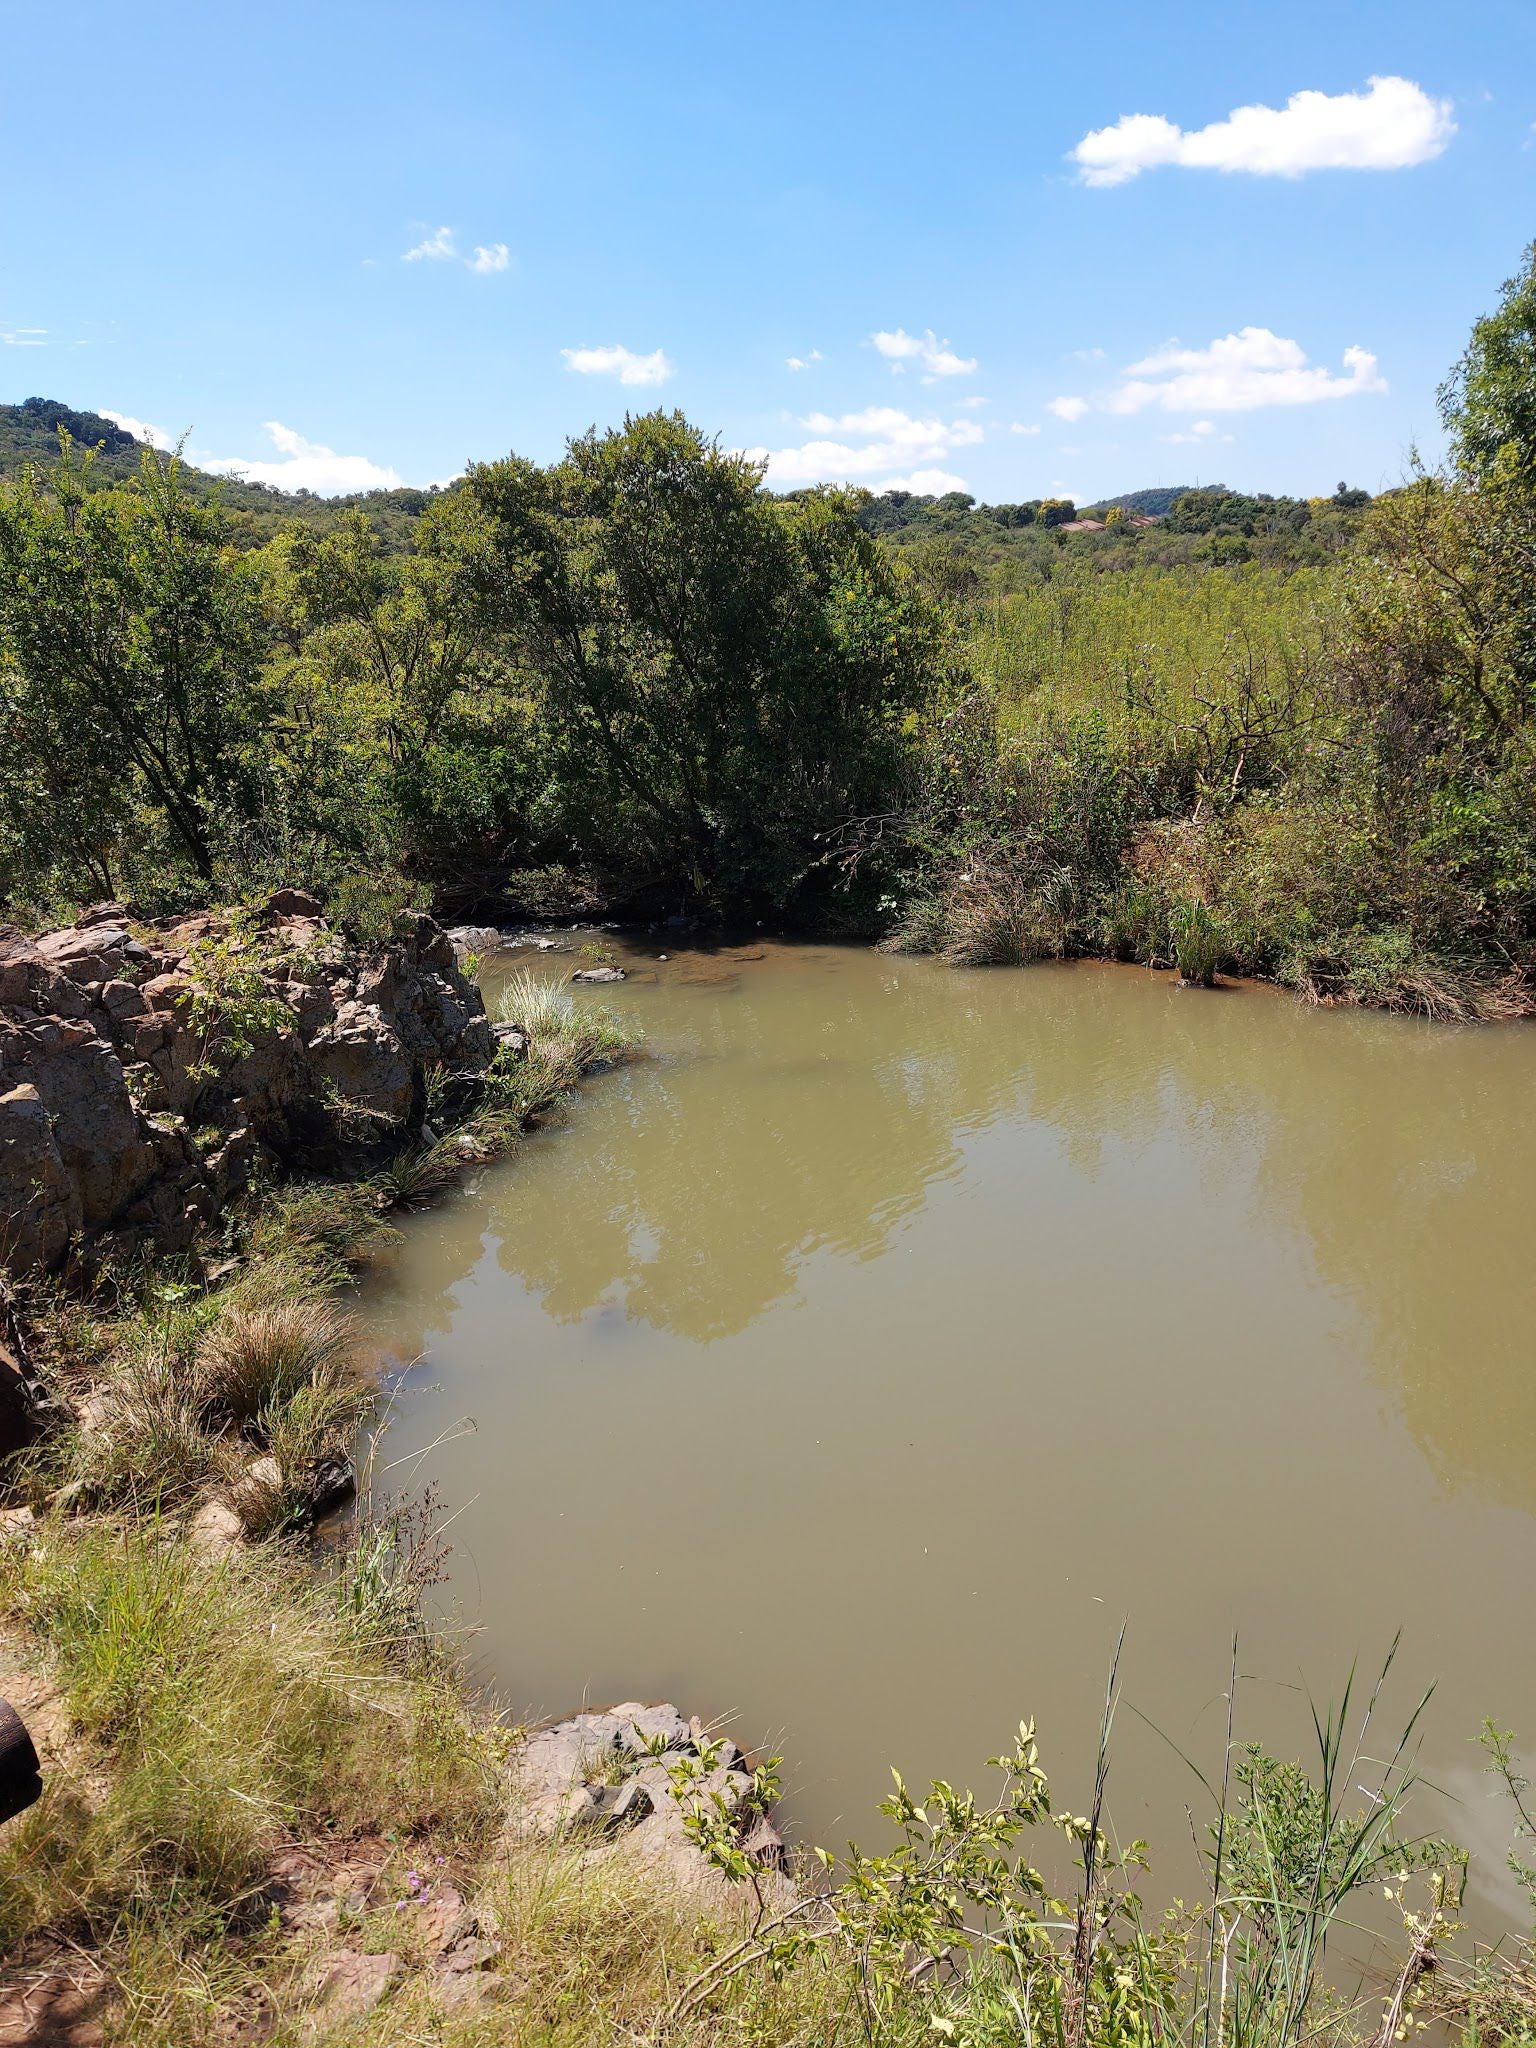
[147,1067]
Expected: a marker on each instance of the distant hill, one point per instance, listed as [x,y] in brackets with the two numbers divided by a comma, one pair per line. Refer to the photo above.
[29,433]
[1154,502]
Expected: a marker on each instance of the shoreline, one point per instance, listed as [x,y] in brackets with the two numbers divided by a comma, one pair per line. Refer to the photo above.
[380,1855]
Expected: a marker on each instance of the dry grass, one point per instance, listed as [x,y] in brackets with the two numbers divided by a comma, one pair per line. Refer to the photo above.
[989,916]
[255,1361]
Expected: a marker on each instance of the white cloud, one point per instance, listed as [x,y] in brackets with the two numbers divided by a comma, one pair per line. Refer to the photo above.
[802,362]
[1068,408]
[1199,431]
[1089,355]
[437,248]
[1391,125]
[923,483]
[440,247]
[306,466]
[870,443]
[141,430]
[25,337]
[619,362]
[1019,427]
[937,358]
[973,403]
[1239,373]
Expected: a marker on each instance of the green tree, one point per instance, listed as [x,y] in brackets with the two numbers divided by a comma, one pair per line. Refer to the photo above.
[130,655]
[729,679]
[396,680]
[1488,402]
[408,630]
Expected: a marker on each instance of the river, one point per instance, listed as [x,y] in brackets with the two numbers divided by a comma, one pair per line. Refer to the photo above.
[857,1363]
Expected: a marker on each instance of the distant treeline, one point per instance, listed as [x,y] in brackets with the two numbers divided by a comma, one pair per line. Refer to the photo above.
[1237,526]
[1291,737]
[1208,524]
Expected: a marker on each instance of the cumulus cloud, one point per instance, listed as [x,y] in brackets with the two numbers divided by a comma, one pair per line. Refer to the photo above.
[141,430]
[1390,126]
[1239,373]
[619,362]
[802,362]
[1199,431]
[1020,427]
[496,257]
[936,357]
[873,443]
[437,248]
[305,466]
[24,337]
[972,404]
[923,483]
[1068,408]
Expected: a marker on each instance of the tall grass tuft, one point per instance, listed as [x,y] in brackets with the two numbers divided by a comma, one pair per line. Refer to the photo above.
[420,1174]
[139,1439]
[217,1710]
[563,1034]
[1196,937]
[324,1227]
[255,1360]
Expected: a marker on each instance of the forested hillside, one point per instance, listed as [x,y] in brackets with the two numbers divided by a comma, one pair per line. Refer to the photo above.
[29,434]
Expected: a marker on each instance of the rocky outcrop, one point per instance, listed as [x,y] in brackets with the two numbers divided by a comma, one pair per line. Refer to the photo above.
[144,1067]
[609,1776]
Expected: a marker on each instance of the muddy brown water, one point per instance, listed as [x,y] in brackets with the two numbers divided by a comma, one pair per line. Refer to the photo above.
[859,1362]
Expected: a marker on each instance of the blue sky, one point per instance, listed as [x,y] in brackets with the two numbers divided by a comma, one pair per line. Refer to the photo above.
[209,212]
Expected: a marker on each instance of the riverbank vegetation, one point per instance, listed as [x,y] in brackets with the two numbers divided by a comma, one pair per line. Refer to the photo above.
[637,679]
[276,1811]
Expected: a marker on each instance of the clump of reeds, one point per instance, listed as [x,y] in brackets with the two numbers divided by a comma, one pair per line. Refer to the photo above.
[991,915]
[1196,937]
[255,1361]
[564,1036]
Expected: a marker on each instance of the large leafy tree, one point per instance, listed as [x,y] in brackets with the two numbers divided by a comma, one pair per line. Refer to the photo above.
[730,679]
[130,657]
[407,631]
[1488,577]
[397,672]
[1488,402]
